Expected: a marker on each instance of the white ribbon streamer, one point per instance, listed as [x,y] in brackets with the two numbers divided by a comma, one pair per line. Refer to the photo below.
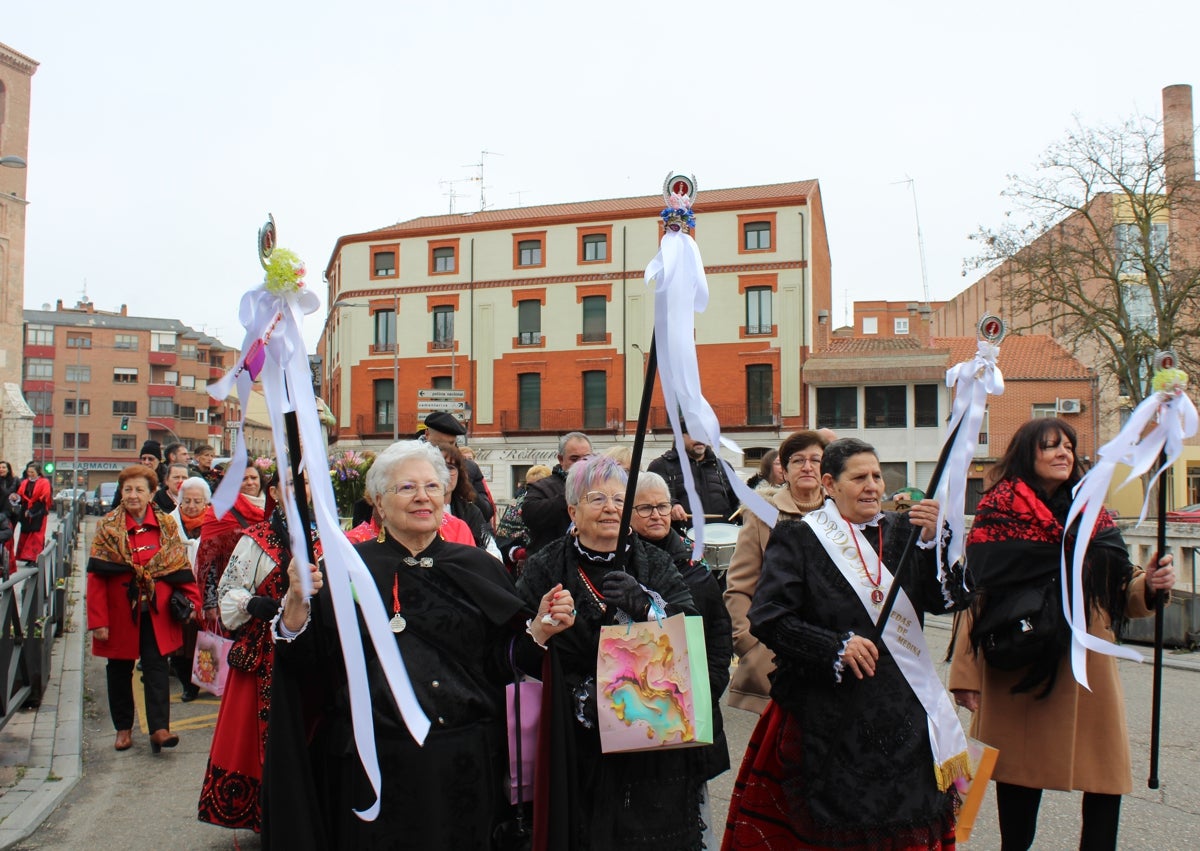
[1177,420]
[973,381]
[681,291]
[274,323]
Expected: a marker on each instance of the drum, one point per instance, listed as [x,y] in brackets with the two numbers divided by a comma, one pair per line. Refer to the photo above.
[719,541]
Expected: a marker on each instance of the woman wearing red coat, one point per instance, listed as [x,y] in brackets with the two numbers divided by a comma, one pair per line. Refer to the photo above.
[35,499]
[137,562]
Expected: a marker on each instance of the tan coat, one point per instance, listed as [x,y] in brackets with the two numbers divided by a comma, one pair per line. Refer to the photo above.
[749,688]
[1073,738]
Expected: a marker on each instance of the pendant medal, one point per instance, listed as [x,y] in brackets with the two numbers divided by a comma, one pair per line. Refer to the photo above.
[397,623]
[876,596]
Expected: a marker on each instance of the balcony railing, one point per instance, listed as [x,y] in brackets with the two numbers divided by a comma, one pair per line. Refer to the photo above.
[561,420]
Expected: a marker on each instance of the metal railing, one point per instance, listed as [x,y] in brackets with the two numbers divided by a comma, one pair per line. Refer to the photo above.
[33,614]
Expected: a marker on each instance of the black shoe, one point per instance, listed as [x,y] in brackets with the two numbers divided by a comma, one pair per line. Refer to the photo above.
[189,694]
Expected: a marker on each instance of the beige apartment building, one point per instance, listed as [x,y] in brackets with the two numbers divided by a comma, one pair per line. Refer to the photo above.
[101,383]
[535,321]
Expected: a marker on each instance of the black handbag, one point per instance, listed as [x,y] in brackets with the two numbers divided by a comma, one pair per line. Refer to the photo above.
[1020,626]
[181,607]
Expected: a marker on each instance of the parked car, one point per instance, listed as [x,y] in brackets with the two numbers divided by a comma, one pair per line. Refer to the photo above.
[1187,514]
[68,496]
[101,500]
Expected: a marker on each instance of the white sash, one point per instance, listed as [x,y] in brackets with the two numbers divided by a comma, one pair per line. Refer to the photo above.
[903,636]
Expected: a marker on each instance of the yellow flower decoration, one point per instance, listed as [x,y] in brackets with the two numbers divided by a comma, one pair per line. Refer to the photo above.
[1169,381]
[285,272]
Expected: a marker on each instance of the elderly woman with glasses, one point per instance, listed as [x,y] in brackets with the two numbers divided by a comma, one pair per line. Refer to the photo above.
[800,456]
[597,800]
[458,622]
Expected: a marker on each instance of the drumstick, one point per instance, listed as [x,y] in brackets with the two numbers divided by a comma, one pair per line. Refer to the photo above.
[706,516]
[737,513]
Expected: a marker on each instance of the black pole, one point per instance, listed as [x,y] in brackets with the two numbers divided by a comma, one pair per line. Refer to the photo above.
[635,463]
[911,543]
[298,489]
[1156,699]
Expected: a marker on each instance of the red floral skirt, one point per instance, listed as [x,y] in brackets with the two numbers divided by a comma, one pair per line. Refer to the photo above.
[765,817]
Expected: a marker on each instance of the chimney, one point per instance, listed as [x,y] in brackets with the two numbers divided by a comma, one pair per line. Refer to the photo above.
[1179,142]
[124,310]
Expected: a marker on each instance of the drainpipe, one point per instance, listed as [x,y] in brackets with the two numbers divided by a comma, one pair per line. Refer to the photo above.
[805,340]
[624,328]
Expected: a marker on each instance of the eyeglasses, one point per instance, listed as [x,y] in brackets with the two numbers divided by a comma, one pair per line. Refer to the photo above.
[598,500]
[408,490]
[800,460]
[663,508]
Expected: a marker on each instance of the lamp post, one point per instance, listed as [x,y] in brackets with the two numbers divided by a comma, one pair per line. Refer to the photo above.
[12,162]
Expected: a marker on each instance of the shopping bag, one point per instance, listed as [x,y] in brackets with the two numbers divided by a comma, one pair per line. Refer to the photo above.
[524,702]
[210,664]
[983,761]
[652,689]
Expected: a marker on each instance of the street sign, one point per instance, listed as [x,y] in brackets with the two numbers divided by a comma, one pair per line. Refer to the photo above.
[461,416]
[440,405]
[441,394]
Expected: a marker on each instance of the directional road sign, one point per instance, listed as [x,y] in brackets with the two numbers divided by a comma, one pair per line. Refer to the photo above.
[441,394]
[440,405]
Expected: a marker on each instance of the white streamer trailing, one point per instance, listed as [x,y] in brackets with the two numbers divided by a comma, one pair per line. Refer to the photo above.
[274,350]
[1177,420]
[973,381]
[681,291]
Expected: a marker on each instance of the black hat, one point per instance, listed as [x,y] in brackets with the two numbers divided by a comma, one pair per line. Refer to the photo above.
[151,447]
[445,423]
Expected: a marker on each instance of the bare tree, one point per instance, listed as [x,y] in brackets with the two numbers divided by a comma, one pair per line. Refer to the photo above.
[1100,250]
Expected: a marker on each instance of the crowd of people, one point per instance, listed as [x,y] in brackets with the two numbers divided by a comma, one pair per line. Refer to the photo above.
[847,748]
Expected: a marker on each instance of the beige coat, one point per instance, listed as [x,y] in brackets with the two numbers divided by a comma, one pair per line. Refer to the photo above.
[749,688]
[1073,738]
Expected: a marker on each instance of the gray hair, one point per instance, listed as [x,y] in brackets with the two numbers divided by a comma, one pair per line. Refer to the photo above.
[568,437]
[379,477]
[590,474]
[648,480]
[196,482]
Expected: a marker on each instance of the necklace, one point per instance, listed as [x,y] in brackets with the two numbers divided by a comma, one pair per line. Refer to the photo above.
[397,623]
[877,579]
[597,597]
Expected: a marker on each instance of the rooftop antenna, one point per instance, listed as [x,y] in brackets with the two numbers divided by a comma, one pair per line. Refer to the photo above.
[912,185]
[483,155]
[84,295]
[450,193]
[519,193]
[846,308]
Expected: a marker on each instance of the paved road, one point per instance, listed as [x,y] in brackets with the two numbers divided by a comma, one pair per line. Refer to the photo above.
[135,800]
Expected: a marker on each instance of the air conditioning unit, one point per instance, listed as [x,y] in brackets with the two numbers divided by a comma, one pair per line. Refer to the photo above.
[1067,406]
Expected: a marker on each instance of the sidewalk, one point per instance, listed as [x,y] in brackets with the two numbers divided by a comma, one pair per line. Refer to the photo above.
[44,744]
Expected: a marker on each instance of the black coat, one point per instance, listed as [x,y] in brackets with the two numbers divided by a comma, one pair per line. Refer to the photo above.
[545,510]
[598,802]
[712,486]
[871,734]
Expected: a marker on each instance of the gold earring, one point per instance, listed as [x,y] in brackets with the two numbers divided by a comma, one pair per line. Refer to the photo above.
[382,536]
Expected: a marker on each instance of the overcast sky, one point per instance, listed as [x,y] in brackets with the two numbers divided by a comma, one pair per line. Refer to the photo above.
[163,133]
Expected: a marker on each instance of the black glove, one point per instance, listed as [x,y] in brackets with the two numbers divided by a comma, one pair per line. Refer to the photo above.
[262,607]
[623,591]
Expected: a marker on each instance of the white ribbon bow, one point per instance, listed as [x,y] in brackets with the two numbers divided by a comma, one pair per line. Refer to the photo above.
[973,381]
[681,291]
[274,344]
[1177,420]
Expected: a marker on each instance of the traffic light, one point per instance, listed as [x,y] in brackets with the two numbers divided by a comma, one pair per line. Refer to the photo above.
[124,423]
[48,469]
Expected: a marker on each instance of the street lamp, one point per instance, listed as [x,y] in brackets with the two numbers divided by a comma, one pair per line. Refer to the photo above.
[12,162]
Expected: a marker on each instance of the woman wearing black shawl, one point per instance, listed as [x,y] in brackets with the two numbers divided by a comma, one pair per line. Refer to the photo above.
[456,619]
[587,800]
[1051,732]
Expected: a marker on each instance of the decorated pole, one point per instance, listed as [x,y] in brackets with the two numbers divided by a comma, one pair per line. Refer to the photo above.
[1174,418]
[974,380]
[1162,362]
[680,292]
